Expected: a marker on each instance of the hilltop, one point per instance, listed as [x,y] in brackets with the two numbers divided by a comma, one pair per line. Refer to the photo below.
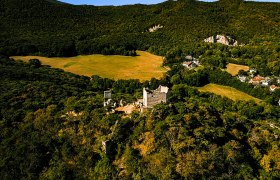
[56,1]
[53,29]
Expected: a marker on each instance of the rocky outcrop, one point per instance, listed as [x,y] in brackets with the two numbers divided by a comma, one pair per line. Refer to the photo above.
[226,40]
[155,28]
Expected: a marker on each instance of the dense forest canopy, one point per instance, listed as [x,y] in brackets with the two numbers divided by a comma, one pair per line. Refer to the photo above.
[54,124]
[53,29]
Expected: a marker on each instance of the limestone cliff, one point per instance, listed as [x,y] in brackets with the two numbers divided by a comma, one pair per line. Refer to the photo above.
[226,40]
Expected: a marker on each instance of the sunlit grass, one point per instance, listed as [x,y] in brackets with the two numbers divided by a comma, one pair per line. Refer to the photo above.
[233,69]
[143,67]
[228,92]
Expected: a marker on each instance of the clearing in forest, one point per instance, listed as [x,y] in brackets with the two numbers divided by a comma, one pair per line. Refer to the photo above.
[228,92]
[143,67]
[233,69]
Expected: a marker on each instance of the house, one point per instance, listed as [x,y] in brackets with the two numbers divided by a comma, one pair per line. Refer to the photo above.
[195,61]
[256,80]
[278,80]
[266,81]
[189,58]
[154,97]
[242,78]
[272,88]
[189,64]
[253,70]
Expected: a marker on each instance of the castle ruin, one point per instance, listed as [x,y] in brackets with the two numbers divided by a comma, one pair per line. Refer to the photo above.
[154,97]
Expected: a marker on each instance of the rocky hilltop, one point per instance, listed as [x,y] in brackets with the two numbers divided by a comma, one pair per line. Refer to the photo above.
[226,40]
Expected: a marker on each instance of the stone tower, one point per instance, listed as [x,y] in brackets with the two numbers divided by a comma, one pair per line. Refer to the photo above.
[154,97]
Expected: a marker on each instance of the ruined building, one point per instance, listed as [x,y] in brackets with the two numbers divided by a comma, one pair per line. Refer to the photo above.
[108,99]
[154,97]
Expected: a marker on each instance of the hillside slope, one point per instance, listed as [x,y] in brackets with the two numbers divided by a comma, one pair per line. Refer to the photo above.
[53,29]
[54,126]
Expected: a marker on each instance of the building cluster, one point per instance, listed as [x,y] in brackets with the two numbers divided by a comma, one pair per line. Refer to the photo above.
[149,100]
[190,62]
[256,80]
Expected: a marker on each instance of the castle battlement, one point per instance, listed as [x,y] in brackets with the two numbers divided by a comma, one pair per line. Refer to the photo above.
[154,97]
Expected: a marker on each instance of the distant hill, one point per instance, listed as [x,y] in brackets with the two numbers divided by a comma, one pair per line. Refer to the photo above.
[58,29]
[55,1]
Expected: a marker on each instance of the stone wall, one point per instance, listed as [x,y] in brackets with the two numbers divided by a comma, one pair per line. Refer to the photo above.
[151,98]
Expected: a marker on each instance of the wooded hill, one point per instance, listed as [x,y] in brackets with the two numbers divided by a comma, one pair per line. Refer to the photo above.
[57,29]
[53,125]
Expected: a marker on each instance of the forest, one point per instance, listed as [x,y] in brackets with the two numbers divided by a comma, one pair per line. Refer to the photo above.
[46,28]
[54,124]
[40,27]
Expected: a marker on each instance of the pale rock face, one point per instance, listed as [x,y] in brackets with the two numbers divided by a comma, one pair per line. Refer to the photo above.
[226,40]
[210,39]
[155,28]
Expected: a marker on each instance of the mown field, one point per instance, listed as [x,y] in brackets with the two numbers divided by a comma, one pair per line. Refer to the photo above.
[228,92]
[233,69]
[143,67]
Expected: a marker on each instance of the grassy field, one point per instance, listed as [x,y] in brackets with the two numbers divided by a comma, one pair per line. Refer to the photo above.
[143,67]
[228,92]
[233,69]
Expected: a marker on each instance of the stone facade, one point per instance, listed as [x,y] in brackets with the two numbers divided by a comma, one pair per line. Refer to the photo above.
[154,97]
[108,99]
[107,95]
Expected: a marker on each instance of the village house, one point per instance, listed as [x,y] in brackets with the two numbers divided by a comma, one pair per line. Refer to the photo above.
[242,78]
[189,64]
[252,72]
[272,88]
[256,80]
[189,58]
[195,61]
[154,97]
[266,81]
